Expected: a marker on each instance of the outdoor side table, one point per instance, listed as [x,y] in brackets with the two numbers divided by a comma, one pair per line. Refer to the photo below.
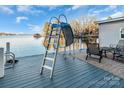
[104,49]
[108,49]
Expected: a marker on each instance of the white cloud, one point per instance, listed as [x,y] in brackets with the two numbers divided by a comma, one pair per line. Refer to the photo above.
[98,11]
[113,7]
[52,7]
[6,9]
[110,8]
[20,18]
[23,8]
[28,9]
[36,28]
[117,14]
[69,9]
[103,18]
[107,9]
[74,7]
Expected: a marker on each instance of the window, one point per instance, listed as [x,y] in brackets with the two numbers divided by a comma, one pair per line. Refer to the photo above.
[122,33]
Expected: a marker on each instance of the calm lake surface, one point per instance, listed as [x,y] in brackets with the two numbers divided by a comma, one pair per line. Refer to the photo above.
[23,45]
[26,45]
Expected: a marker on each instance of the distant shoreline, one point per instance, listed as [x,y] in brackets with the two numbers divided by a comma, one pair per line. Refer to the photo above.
[12,34]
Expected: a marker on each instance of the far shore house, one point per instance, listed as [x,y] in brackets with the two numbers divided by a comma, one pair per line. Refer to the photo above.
[111,31]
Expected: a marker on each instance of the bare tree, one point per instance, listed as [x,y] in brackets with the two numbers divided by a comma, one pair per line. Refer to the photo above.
[86,25]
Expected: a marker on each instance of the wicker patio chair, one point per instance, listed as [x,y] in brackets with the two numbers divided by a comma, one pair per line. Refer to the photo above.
[94,49]
[118,52]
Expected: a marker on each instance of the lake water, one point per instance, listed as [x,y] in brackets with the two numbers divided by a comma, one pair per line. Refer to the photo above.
[23,45]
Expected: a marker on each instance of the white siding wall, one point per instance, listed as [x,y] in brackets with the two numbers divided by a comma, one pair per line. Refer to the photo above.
[109,33]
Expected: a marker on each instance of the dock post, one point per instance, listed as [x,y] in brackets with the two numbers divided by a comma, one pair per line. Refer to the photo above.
[1,62]
[7,51]
[64,50]
[69,50]
[8,47]
[74,47]
[80,44]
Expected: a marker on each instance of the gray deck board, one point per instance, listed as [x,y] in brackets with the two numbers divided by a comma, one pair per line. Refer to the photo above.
[68,73]
[100,82]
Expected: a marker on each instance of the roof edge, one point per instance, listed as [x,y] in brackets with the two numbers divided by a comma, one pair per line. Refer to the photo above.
[111,20]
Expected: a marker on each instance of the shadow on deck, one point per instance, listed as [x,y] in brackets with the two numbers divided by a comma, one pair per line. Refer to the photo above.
[68,73]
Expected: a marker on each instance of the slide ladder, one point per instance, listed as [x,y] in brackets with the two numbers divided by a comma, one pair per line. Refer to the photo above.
[53,39]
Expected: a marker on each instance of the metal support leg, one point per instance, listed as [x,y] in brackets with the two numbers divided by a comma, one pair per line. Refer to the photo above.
[87,56]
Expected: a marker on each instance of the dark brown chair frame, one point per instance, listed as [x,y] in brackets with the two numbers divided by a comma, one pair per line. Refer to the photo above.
[94,49]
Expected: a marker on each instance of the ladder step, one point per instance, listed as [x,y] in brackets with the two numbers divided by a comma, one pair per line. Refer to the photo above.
[52,43]
[54,29]
[53,36]
[48,58]
[47,67]
[50,51]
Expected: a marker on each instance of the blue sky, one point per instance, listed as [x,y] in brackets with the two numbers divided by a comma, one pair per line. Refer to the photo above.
[30,19]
